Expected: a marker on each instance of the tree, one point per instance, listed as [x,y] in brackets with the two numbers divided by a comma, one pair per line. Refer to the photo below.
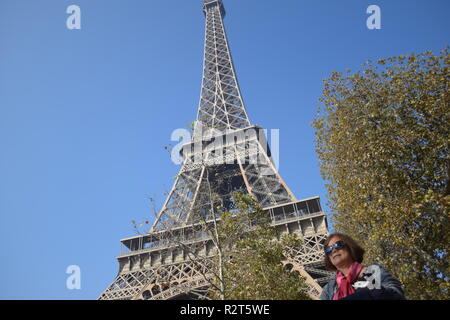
[382,139]
[247,257]
[251,256]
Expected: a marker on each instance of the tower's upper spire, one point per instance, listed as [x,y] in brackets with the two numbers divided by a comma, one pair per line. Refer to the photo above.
[221,104]
[212,3]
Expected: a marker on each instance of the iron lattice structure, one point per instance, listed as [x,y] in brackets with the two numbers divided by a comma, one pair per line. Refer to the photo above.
[227,154]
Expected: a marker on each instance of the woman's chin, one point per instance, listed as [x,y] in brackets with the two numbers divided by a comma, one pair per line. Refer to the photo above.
[338,262]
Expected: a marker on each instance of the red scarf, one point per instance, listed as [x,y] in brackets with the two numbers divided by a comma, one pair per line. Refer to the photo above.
[344,283]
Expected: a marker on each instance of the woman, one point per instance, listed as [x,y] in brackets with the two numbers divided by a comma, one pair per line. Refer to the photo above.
[354,281]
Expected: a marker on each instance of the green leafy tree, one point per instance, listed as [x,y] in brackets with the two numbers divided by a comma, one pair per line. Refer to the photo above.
[251,256]
[383,142]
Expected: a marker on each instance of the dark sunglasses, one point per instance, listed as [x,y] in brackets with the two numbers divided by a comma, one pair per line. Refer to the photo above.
[337,245]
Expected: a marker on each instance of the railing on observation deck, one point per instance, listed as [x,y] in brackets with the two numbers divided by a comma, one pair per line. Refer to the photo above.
[279,215]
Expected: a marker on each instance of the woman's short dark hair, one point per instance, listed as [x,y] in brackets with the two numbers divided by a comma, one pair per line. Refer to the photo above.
[356,251]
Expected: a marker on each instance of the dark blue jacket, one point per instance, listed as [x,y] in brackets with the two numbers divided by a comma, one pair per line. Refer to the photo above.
[375,284]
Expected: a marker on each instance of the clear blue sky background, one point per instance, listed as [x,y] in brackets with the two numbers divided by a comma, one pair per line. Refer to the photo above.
[85,115]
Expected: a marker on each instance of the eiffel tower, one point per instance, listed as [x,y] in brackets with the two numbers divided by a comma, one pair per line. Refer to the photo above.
[226,154]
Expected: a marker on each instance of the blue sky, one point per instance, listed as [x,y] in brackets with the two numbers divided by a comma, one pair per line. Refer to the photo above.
[85,114]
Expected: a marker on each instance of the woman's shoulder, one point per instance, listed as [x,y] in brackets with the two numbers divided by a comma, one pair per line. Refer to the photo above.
[330,284]
[378,272]
[381,278]
[328,290]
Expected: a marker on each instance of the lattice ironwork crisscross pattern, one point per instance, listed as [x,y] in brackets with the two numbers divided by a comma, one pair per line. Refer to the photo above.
[158,283]
[160,270]
[221,105]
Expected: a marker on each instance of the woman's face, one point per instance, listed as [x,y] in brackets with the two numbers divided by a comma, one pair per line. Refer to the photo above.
[342,257]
